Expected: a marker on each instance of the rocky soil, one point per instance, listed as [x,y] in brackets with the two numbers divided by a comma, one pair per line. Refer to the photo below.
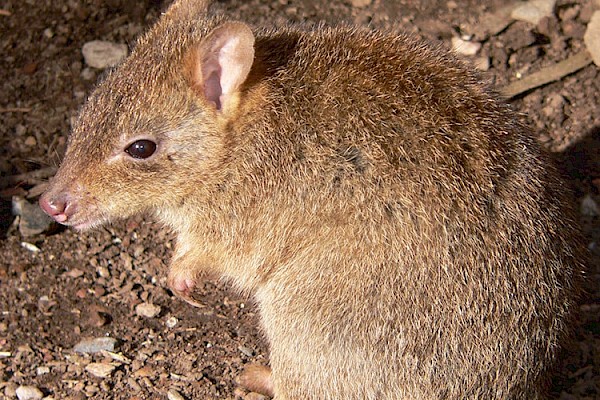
[88,315]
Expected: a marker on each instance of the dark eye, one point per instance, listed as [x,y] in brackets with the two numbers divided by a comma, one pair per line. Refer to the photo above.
[141,149]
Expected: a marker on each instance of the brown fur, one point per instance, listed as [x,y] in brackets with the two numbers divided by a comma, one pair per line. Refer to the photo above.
[401,232]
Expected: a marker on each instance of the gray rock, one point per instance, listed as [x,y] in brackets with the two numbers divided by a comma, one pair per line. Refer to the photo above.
[101,54]
[33,220]
[96,345]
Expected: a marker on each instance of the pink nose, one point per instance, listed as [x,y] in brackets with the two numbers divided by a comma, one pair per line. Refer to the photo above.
[58,207]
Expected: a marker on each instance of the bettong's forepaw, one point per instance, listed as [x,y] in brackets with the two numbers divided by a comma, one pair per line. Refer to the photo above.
[183,283]
[256,380]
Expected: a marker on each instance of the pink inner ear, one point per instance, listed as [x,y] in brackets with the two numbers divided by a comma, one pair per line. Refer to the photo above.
[223,62]
[212,88]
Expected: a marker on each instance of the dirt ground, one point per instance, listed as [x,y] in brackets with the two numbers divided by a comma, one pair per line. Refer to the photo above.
[61,287]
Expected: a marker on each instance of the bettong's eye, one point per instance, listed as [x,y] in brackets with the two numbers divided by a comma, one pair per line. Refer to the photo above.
[141,149]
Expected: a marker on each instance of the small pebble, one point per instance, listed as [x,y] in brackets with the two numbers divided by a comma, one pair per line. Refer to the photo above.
[101,54]
[96,345]
[591,38]
[74,273]
[30,247]
[117,357]
[482,63]
[144,372]
[247,351]
[554,105]
[134,385]
[171,322]
[148,310]
[42,370]
[97,318]
[533,11]
[138,251]
[20,130]
[173,394]
[29,393]
[29,68]
[589,208]
[360,3]
[10,390]
[465,47]
[88,74]
[100,370]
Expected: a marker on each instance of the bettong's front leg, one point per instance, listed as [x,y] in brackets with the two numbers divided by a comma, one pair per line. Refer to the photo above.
[186,271]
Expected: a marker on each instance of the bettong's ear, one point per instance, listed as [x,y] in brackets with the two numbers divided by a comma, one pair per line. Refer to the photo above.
[221,62]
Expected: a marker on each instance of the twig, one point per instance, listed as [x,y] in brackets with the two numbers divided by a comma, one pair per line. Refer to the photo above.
[547,75]
[28,177]
[15,109]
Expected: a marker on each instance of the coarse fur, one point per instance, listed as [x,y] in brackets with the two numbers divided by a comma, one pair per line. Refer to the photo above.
[399,228]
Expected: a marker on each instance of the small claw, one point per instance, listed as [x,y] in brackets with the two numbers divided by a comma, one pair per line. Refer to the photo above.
[190,300]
